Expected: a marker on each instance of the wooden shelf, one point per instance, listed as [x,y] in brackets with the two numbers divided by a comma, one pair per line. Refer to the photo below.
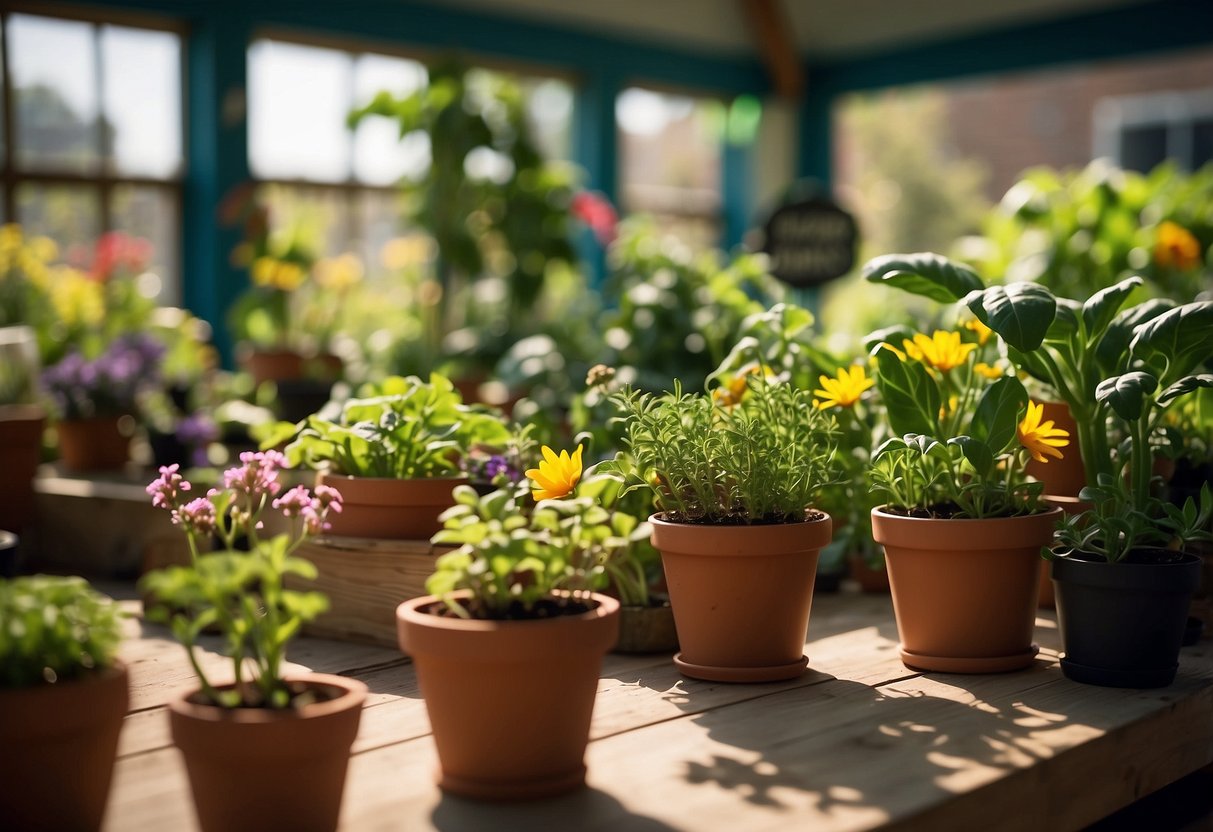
[860,742]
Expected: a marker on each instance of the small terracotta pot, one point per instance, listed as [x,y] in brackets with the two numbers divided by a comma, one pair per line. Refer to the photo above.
[257,769]
[288,365]
[870,580]
[741,596]
[59,745]
[965,591]
[1063,477]
[647,629]
[21,449]
[96,444]
[509,701]
[390,509]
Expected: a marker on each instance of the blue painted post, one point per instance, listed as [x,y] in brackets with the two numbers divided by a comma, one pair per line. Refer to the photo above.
[217,161]
[737,192]
[596,149]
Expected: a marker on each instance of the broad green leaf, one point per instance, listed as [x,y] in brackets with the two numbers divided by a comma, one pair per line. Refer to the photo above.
[889,335]
[1185,385]
[978,453]
[1065,323]
[909,394]
[1178,339]
[997,414]
[1021,313]
[1112,351]
[1126,394]
[1101,308]
[924,273]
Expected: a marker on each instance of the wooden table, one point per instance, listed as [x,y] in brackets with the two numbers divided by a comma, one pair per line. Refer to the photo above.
[860,742]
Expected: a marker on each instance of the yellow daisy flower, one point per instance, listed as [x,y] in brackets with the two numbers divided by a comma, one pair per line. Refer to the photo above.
[1176,247]
[556,476]
[983,331]
[943,350]
[844,390]
[1041,439]
[990,371]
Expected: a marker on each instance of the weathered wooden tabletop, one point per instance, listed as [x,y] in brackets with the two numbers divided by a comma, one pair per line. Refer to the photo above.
[859,742]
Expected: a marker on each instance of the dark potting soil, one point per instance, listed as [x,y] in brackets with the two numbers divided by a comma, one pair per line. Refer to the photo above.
[739,519]
[940,511]
[544,609]
[1146,556]
[302,694]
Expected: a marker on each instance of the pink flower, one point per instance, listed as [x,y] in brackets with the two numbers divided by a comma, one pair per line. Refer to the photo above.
[166,490]
[294,502]
[196,516]
[596,211]
[329,497]
[257,476]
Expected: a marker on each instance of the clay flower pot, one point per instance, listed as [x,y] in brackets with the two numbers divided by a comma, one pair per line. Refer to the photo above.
[257,768]
[871,580]
[1122,623]
[741,596]
[96,444]
[390,509]
[965,591]
[21,450]
[288,365]
[509,701]
[647,629]
[1063,477]
[59,746]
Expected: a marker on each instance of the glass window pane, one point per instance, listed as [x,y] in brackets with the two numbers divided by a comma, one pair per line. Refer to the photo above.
[151,213]
[55,96]
[381,220]
[380,157]
[141,71]
[299,97]
[317,218]
[68,214]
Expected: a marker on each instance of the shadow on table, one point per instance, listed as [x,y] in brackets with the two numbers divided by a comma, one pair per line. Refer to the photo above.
[597,809]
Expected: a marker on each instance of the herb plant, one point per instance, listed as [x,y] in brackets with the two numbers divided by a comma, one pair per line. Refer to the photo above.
[55,629]
[241,593]
[764,459]
[400,428]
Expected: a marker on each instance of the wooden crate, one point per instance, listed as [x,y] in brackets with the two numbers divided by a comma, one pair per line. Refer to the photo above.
[365,581]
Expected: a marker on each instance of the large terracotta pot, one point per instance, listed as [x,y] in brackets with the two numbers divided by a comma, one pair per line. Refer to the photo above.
[741,596]
[59,742]
[21,449]
[1122,624]
[256,769]
[509,701]
[1063,477]
[390,509]
[288,365]
[96,444]
[965,591]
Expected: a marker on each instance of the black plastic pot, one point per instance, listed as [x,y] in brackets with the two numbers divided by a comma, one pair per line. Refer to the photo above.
[1122,623]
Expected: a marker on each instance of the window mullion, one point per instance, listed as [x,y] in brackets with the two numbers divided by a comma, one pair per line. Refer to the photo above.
[10,200]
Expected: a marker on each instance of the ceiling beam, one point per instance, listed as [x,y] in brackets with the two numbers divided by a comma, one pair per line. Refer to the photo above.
[772,36]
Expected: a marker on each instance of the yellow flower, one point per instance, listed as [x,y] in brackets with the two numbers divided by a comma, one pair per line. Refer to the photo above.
[1176,247]
[943,350]
[948,407]
[339,273]
[901,356]
[1041,440]
[990,371]
[731,394]
[556,476]
[983,331]
[844,390]
[278,274]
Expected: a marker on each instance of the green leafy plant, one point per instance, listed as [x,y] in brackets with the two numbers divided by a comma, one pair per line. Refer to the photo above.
[763,459]
[1118,368]
[241,593]
[400,428]
[55,629]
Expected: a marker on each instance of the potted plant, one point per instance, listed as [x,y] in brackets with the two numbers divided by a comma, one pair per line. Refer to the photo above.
[97,398]
[735,484]
[1118,367]
[261,750]
[21,423]
[63,696]
[508,646]
[394,453]
[961,525]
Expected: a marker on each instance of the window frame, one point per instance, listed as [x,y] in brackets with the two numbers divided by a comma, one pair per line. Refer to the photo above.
[1175,112]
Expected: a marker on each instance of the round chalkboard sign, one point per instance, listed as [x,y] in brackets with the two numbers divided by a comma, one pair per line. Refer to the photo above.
[810,241]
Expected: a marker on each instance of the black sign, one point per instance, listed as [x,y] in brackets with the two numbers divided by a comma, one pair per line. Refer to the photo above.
[810,241]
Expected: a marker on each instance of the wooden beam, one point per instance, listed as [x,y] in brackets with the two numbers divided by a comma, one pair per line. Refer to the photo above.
[773,38]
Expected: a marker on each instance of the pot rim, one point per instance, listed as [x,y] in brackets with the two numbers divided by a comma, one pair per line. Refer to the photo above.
[331,475]
[413,612]
[1051,510]
[353,695]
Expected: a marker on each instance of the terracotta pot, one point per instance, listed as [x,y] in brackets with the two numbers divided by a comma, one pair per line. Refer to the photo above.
[258,769]
[390,509]
[965,591]
[1122,623]
[741,596]
[509,701]
[21,449]
[59,746]
[647,629]
[1063,477]
[288,365]
[870,580]
[96,444]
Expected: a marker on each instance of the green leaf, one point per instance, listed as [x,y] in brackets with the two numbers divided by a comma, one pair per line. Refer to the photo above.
[998,413]
[924,273]
[978,453]
[910,395]
[1021,313]
[1065,322]
[1101,308]
[1177,340]
[1112,351]
[1126,394]
[1185,385]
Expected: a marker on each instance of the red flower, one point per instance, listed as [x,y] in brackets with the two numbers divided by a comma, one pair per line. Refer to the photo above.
[596,211]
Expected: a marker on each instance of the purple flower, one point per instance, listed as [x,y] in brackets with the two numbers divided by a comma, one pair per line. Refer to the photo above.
[196,516]
[497,465]
[167,489]
[197,429]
